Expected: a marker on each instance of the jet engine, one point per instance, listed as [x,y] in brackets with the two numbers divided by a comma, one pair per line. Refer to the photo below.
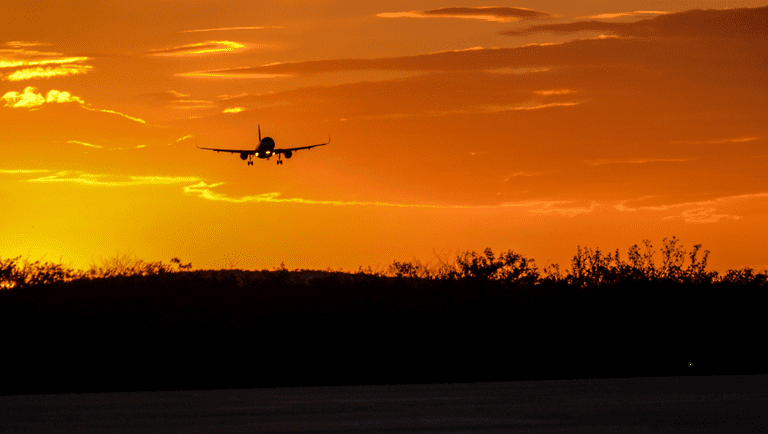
[243,156]
[288,154]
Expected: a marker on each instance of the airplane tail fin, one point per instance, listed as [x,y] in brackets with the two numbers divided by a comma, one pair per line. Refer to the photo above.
[259,133]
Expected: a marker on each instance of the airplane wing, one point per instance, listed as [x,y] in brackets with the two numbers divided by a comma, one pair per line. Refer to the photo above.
[233,151]
[283,151]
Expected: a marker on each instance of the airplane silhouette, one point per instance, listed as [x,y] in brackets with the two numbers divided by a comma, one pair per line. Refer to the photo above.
[265,150]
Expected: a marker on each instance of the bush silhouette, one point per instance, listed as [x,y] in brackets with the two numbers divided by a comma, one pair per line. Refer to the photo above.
[477,317]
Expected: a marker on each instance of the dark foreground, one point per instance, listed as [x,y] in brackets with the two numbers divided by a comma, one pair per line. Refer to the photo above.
[245,330]
[638,405]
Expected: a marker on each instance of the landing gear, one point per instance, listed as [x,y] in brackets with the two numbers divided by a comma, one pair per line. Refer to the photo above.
[279,161]
[250,163]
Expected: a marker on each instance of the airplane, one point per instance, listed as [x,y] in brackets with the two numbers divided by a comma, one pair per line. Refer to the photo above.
[265,150]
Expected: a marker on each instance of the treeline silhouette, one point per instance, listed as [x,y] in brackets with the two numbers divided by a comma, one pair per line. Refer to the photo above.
[134,325]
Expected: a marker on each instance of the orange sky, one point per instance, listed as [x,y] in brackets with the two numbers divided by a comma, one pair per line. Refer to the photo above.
[534,127]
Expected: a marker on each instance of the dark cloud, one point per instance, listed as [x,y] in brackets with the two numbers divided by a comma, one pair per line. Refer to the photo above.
[745,48]
[697,53]
[495,11]
[734,23]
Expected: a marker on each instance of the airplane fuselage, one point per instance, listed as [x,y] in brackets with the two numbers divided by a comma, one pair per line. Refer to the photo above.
[266,148]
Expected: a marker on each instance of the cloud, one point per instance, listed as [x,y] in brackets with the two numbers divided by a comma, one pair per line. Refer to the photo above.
[521,173]
[139,120]
[84,144]
[716,141]
[207,47]
[11,62]
[168,95]
[206,191]
[482,109]
[567,211]
[702,215]
[22,171]
[190,104]
[180,139]
[624,14]
[554,92]
[40,72]
[22,44]
[30,98]
[234,110]
[488,13]
[177,100]
[229,73]
[104,180]
[603,161]
[739,23]
[705,211]
[476,58]
[529,59]
[232,28]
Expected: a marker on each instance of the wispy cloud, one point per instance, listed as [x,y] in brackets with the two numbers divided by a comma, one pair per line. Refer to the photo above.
[483,109]
[208,47]
[31,99]
[521,173]
[219,29]
[703,215]
[488,13]
[705,211]
[40,72]
[181,139]
[77,142]
[206,191]
[742,22]
[177,100]
[561,208]
[712,211]
[716,141]
[554,92]
[603,161]
[168,95]
[234,110]
[625,14]
[23,44]
[230,73]
[103,180]
[8,62]
[139,120]
[22,171]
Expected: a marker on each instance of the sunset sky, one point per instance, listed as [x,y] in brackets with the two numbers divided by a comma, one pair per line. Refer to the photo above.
[536,127]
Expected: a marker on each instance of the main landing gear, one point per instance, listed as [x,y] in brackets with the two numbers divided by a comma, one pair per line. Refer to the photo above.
[250,163]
